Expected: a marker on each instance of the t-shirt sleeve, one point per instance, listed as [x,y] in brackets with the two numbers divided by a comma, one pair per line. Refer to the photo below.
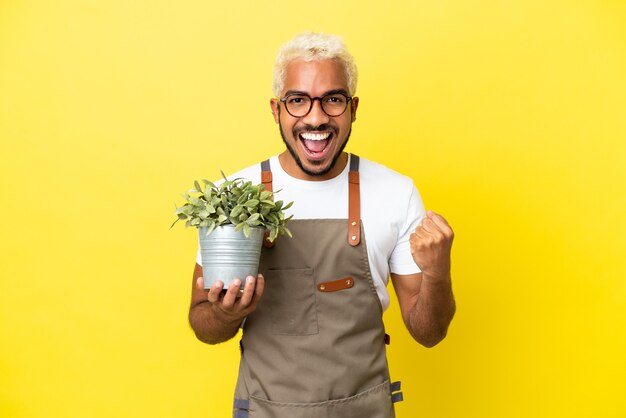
[401,260]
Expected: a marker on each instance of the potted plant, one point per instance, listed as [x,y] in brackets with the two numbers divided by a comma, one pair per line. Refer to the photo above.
[233,219]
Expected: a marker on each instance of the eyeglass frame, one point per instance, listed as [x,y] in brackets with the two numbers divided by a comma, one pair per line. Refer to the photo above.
[313,99]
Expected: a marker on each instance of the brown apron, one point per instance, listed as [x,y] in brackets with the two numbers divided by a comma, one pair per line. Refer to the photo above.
[315,345]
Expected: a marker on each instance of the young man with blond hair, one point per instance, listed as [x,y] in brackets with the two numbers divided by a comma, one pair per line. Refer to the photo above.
[313,340]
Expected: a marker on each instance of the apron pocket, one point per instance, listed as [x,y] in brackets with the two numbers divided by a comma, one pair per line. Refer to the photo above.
[372,403]
[291,295]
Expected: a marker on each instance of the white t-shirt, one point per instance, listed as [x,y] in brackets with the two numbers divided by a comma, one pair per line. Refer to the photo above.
[391,209]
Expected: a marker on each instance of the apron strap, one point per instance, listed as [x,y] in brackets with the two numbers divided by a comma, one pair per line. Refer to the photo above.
[354,203]
[396,395]
[266,175]
[241,408]
[354,197]
[266,180]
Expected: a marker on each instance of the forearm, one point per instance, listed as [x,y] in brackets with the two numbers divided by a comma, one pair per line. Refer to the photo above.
[432,312]
[209,326]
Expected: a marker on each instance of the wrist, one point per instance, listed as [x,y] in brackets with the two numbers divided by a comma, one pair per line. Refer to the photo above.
[226,318]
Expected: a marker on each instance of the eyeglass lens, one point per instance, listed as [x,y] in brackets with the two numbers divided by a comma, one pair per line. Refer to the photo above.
[299,105]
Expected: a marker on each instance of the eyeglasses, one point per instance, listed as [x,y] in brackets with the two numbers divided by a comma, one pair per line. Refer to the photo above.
[299,105]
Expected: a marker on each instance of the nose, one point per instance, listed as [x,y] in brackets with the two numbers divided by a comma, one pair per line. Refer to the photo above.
[316,115]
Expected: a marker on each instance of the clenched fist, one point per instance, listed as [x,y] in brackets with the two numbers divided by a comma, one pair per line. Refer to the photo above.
[430,246]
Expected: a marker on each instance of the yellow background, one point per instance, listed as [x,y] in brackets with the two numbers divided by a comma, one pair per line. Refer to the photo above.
[509,115]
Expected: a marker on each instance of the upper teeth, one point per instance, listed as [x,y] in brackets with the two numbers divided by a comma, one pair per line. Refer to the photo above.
[315,137]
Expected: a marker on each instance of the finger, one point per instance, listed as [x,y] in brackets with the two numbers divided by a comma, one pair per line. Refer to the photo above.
[414,243]
[437,219]
[435,231]
[215,291]
[248,292]
[200,283]
[260,287]
[428,225]
[231,294]
[419,234]
[442,224]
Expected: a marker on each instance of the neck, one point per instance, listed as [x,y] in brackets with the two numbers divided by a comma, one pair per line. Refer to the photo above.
[291,167]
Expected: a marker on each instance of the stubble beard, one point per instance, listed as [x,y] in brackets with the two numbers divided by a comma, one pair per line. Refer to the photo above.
[295,156]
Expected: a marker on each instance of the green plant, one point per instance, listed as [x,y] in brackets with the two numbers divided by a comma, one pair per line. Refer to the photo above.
[236,202]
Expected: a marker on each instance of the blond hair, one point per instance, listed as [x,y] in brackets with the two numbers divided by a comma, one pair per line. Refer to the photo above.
[311,46]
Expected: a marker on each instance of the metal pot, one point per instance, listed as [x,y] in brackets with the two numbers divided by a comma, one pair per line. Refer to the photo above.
[227,254]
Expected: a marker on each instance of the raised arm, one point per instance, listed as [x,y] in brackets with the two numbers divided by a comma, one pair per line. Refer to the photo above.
[426,300]
[214,316]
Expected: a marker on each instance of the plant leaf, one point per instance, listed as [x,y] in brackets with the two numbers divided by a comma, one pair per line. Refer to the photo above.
[236,211]
[252,203]
[210,228]
[208,183]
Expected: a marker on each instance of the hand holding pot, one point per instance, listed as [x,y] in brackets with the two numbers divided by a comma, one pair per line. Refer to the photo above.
[233,305]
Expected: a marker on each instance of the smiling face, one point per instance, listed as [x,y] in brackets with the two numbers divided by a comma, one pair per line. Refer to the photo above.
[315,141]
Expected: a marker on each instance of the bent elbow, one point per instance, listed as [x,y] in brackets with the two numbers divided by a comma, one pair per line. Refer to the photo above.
[432,340]
[206,339]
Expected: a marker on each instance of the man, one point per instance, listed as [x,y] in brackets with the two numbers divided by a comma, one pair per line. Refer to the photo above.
[313,339]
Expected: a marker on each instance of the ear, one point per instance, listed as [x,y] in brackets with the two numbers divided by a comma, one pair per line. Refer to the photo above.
[353,107]
[275,109]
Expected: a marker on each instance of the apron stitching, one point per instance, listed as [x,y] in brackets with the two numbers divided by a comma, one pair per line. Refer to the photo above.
[368,272]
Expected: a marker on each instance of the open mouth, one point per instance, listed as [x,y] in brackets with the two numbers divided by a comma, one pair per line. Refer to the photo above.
[315,144]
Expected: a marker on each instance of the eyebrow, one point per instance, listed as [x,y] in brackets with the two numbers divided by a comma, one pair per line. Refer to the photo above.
[335,91]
